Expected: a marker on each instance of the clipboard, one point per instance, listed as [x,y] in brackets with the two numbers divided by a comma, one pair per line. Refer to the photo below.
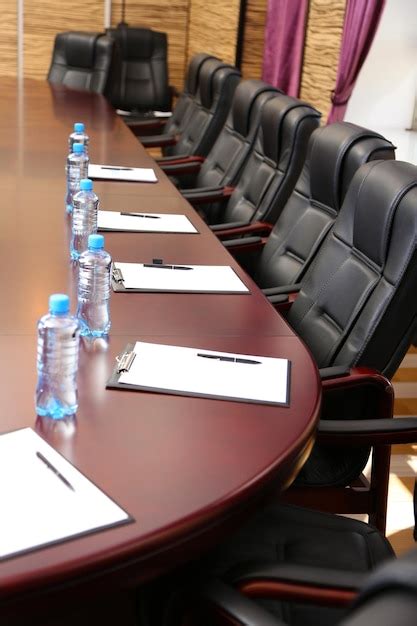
[121,173]
[244,388]
[158,277]
[47,500]
[145,222]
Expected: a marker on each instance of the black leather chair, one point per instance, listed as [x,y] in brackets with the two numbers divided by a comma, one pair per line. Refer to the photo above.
[82,61]
[175,124]
[357,312]
[296,567]
[224,162]
[278,262]
[142,86]
[216,85]
[271,170]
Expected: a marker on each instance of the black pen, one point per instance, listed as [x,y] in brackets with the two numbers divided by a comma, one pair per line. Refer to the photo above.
[151,217]
[55,471]
[111,167]
[167,267]
[229,359]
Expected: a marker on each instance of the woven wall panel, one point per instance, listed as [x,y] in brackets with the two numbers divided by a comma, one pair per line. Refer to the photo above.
[8,41]
[253,38]
[169,16]
[213,28]
[44,18]
[321,54]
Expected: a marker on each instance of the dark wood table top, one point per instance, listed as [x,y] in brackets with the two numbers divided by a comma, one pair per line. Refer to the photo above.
[185,468]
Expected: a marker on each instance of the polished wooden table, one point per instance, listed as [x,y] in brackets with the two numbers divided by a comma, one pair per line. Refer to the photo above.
[187,469]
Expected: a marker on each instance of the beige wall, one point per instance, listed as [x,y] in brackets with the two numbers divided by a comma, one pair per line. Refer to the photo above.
[321,53]
[170,16]
[44,18]
[253,42]
[192,26]
[213,28]
[8,41]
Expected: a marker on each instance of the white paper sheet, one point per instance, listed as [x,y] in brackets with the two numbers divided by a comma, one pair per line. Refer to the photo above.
[177,369]
[38,508]
[121,172]
[200,278]
[145,222]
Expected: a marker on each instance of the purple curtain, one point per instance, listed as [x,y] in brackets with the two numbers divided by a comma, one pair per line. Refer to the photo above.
[359,28]
[284,44]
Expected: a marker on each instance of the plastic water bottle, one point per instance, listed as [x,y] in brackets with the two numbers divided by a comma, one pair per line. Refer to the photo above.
[58,343]
[94,288]
[76,170]
[78,136]
[84,217]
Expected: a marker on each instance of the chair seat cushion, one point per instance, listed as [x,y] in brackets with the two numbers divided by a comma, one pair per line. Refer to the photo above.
[291,535]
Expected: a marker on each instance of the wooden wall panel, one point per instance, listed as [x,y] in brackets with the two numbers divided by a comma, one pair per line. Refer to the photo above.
[44,18]
[8,42]
[213,28]
[321,54]
[170,16]
[253,38]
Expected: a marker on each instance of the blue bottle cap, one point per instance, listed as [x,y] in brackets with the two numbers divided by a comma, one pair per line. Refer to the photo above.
[79,127]
[86,184]
[96,242]
[78,148]
[59,303]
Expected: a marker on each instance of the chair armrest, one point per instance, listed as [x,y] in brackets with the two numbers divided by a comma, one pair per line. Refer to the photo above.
[205,195]
[378,431]
[232,607]
[232,230]
[284,289]
[226,225]
[285,581]
[342,377]
[282,303]
[177,159]
[144,126]
[248,243]
[184,167]
[158,141]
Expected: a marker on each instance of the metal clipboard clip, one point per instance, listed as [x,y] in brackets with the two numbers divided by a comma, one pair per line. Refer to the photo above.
[124,362]
[117,275]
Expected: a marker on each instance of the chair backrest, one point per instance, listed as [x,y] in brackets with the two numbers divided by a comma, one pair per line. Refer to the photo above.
[216,86]
[357,304]
[389,597]
[183,106]
[335,152]
[142,83]
[274,163]
[232,147]
[82,61]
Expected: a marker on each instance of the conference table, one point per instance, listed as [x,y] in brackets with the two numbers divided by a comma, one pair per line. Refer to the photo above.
[187,469]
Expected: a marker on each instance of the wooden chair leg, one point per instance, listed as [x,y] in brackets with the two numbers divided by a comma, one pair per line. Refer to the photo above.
[381,460]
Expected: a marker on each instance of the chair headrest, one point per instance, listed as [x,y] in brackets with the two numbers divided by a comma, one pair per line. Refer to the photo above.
[379,216]
[248,101]
[335,153]
[274,115]
[207,80]
[139,43]
[194,67]
[79,48]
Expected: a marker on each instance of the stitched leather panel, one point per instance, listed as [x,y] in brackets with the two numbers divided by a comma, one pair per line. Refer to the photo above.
[335,153]
[234,143]
[204,124]
[360,268]
[82,61]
